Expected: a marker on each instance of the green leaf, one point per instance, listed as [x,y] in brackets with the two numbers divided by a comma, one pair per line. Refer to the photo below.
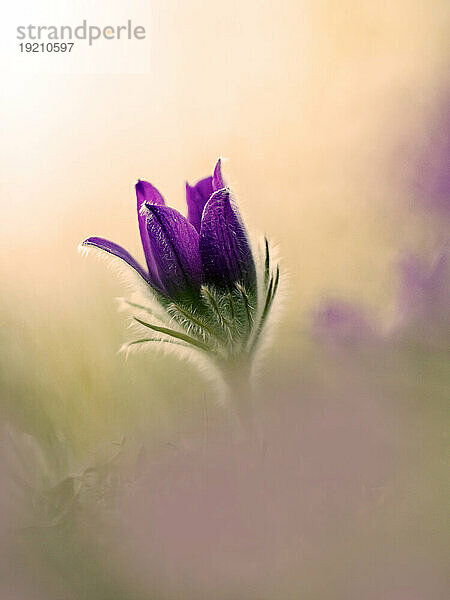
[176,334]
[231,305]
[140,307]
[271,292]
[212,302]
[249,309]
[275,285]
[267,263]
[185,312]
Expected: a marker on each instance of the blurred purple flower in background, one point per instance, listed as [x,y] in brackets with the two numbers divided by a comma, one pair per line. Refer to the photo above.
[341,323]
[423,303]
[431,176]
[422,310]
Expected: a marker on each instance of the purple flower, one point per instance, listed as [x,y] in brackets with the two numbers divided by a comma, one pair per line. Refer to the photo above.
[431,177]
[422,310]
[340,323]
[424,295]
[206,303]
[210,246]
[199,194]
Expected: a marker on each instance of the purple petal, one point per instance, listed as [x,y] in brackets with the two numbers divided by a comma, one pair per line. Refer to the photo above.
[431,178]
[196,198]
[118,251]
[174,246]
[424,290]
[224,246]
[217,179]
[199,194]
[147,193]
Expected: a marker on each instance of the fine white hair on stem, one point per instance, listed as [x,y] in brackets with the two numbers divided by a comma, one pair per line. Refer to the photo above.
[126,274]
[204,365]
[267,335]
[138,305]
[258,245]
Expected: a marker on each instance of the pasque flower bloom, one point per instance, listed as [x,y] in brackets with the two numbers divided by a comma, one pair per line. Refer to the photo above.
[210,246]
[201,271]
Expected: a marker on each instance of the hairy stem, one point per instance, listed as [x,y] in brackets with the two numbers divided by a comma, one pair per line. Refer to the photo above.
[240,395]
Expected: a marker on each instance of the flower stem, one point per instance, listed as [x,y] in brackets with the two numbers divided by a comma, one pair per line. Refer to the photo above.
[240,396]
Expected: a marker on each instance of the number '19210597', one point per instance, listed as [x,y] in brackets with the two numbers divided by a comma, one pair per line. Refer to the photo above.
[46,47]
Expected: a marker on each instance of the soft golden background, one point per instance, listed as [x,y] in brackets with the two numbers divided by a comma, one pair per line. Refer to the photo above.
[311,102]
[315,104]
